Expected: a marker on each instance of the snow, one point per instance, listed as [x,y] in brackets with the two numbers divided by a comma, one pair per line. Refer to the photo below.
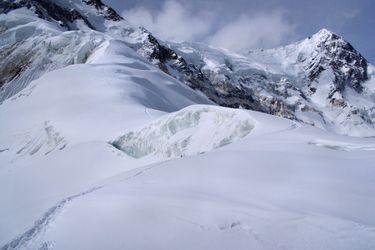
[246,180]
[71,114]
[272,189]
[283,74]
[274,186]
[192,130]
[323,88]
[370,84]
[291,59]
[338,145]
[46,47]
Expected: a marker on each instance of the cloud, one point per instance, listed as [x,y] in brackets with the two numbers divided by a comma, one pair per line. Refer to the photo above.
[180,21]
[175,21]
[140,16]
[263,30]
[351,13]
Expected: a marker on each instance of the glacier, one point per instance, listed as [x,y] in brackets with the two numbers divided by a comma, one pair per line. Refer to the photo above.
[111,139]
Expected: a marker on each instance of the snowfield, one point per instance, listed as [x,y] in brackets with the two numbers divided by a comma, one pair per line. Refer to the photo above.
[262,182]
[112,153]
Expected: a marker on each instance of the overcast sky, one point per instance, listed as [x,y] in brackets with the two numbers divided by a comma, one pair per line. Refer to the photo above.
[242,24]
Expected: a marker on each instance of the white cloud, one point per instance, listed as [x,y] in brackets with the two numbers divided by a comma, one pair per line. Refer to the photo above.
[264,30]
[179,21]
[140,16]
[351,13]
[175,21]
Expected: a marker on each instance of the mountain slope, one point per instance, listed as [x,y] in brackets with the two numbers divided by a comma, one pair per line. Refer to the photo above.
[40,36]
[322,81]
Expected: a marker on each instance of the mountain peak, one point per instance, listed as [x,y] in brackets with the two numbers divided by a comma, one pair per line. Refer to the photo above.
[324,33]
[336,53]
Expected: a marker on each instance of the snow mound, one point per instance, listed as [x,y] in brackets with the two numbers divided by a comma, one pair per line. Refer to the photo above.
[43,141]
[192,130]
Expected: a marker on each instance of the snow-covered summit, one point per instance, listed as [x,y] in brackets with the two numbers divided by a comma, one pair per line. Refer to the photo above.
[323,50]
[323,35]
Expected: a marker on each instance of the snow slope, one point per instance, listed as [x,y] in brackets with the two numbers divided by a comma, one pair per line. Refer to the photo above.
[273,189]
[113,153]
[69,114]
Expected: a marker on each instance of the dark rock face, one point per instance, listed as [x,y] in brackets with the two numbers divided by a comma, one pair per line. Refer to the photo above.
[50,11]
[224,94]
[161,53]
[47,10]
[14,69]
[110,14]
[6,6]
[348,65]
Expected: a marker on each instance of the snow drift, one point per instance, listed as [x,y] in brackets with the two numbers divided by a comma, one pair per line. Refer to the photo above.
[192,130]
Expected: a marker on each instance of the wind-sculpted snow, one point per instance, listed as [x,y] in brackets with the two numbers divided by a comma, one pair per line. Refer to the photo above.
[342,146]
[39,140]
[192,130]
[46,140]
